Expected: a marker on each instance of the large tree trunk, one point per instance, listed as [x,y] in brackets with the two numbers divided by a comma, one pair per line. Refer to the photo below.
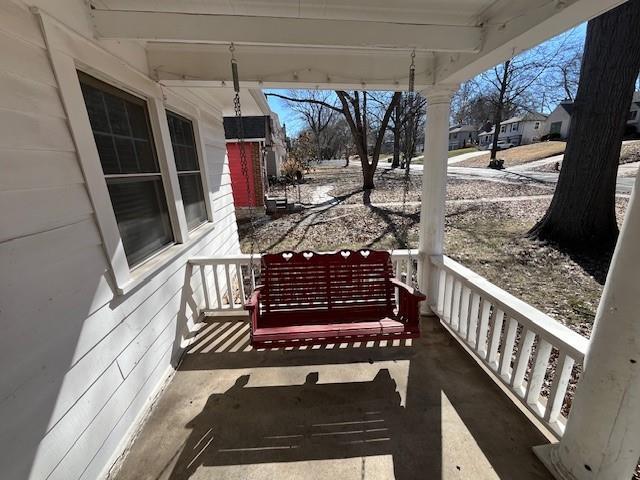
[582,215]
[499,108]
[368,171]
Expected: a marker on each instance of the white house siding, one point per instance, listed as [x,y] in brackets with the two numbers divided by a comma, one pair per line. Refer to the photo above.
[530,133]
[559,114]
[79,362]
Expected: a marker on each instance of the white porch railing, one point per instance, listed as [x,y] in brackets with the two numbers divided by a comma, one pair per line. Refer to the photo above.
[228,281]
[519,343]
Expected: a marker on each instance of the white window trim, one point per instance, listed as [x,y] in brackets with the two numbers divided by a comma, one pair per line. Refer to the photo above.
[175,104]
[69,52]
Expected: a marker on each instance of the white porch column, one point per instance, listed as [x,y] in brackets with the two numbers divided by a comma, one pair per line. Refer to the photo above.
[602,438]
[434,184]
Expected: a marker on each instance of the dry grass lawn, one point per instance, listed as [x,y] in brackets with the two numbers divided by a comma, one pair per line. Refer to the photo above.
[518,155]
[488,236]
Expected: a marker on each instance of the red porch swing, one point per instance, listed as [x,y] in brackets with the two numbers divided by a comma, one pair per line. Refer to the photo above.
[316,298]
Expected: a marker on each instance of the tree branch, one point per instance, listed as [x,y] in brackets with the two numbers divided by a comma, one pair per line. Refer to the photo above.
[304,100]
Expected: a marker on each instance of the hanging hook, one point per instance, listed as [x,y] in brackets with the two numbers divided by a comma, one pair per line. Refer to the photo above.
[412,71]
[234,68]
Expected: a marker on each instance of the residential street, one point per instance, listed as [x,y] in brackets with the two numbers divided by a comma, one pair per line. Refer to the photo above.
[515,174]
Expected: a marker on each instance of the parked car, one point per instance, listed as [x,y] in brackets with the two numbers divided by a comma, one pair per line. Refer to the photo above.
[504,145]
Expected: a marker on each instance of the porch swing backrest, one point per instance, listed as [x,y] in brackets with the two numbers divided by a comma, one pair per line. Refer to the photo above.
[353,282]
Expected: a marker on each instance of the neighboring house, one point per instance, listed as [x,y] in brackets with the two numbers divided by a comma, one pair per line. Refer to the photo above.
[559,120]
[461,136]
[521,130]
[265,148]
[278,152]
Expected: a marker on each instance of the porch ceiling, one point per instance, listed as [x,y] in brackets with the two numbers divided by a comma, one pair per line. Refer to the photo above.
[333,43]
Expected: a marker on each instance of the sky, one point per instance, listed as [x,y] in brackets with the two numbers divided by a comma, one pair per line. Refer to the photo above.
[287,116]
[295,124]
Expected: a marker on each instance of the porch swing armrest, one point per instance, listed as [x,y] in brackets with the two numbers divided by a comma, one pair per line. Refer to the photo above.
[254,300]
[408,302]
[253,306]
[419,296]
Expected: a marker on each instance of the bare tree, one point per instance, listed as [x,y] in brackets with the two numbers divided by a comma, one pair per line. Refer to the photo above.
[462,104]
[338,139]
[317,115]
[519,83]
[404,124]
[582,215]
[353,106]
[355,113]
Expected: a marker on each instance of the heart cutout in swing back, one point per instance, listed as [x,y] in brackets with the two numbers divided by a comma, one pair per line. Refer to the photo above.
[287,255]
[307,255]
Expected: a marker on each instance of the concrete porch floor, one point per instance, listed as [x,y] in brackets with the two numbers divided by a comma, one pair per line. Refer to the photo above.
[420,409]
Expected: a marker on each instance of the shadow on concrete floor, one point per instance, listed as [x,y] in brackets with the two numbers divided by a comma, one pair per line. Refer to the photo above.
[404,410]
[312,421]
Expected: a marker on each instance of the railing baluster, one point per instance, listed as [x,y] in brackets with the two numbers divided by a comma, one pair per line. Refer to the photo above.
[398,275]
[464,311]
[229,286]
[252,274]
[494,343]
[241,293]
[205,287]
[448,297]
[455,305]
[472,332]
[216,282]
[409,280]
[538,372]
[442,278]
[522,360]
[507,349]
[558,388]
[483,327]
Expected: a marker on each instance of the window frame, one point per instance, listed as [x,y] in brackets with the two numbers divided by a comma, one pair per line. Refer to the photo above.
[100,85]
[69,53]
[174,105]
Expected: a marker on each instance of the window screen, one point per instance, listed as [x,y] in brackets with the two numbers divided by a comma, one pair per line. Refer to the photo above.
[186,156]
[120,125]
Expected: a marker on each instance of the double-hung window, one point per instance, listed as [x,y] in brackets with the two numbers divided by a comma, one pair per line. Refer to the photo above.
[188,167]
[122,132]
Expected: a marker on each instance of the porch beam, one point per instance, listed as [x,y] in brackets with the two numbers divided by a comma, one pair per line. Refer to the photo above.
[434,185]
[182,65]
[602,436]
[261,30]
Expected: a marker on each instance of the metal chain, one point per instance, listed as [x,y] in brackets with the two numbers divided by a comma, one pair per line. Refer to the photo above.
[404,231]
[243,158]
